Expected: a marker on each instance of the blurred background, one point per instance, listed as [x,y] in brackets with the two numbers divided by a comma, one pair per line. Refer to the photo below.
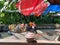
[10,15]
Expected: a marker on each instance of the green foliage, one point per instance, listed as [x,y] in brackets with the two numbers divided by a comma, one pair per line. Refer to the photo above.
[1,4]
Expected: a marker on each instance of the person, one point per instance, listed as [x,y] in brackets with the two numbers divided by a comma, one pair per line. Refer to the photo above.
[32,27]
[19,28]
[11,27]
[22,27]
[31,31]
[30,36]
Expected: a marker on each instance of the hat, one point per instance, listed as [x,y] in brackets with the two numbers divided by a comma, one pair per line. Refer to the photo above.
[30,23]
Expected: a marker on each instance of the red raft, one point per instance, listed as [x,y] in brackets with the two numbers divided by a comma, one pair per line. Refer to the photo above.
[28,7]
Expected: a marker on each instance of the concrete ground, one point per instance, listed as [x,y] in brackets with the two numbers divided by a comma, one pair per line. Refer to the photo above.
[20,37]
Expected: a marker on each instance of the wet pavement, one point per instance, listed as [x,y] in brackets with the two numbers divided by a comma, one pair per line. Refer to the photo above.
[42,35]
